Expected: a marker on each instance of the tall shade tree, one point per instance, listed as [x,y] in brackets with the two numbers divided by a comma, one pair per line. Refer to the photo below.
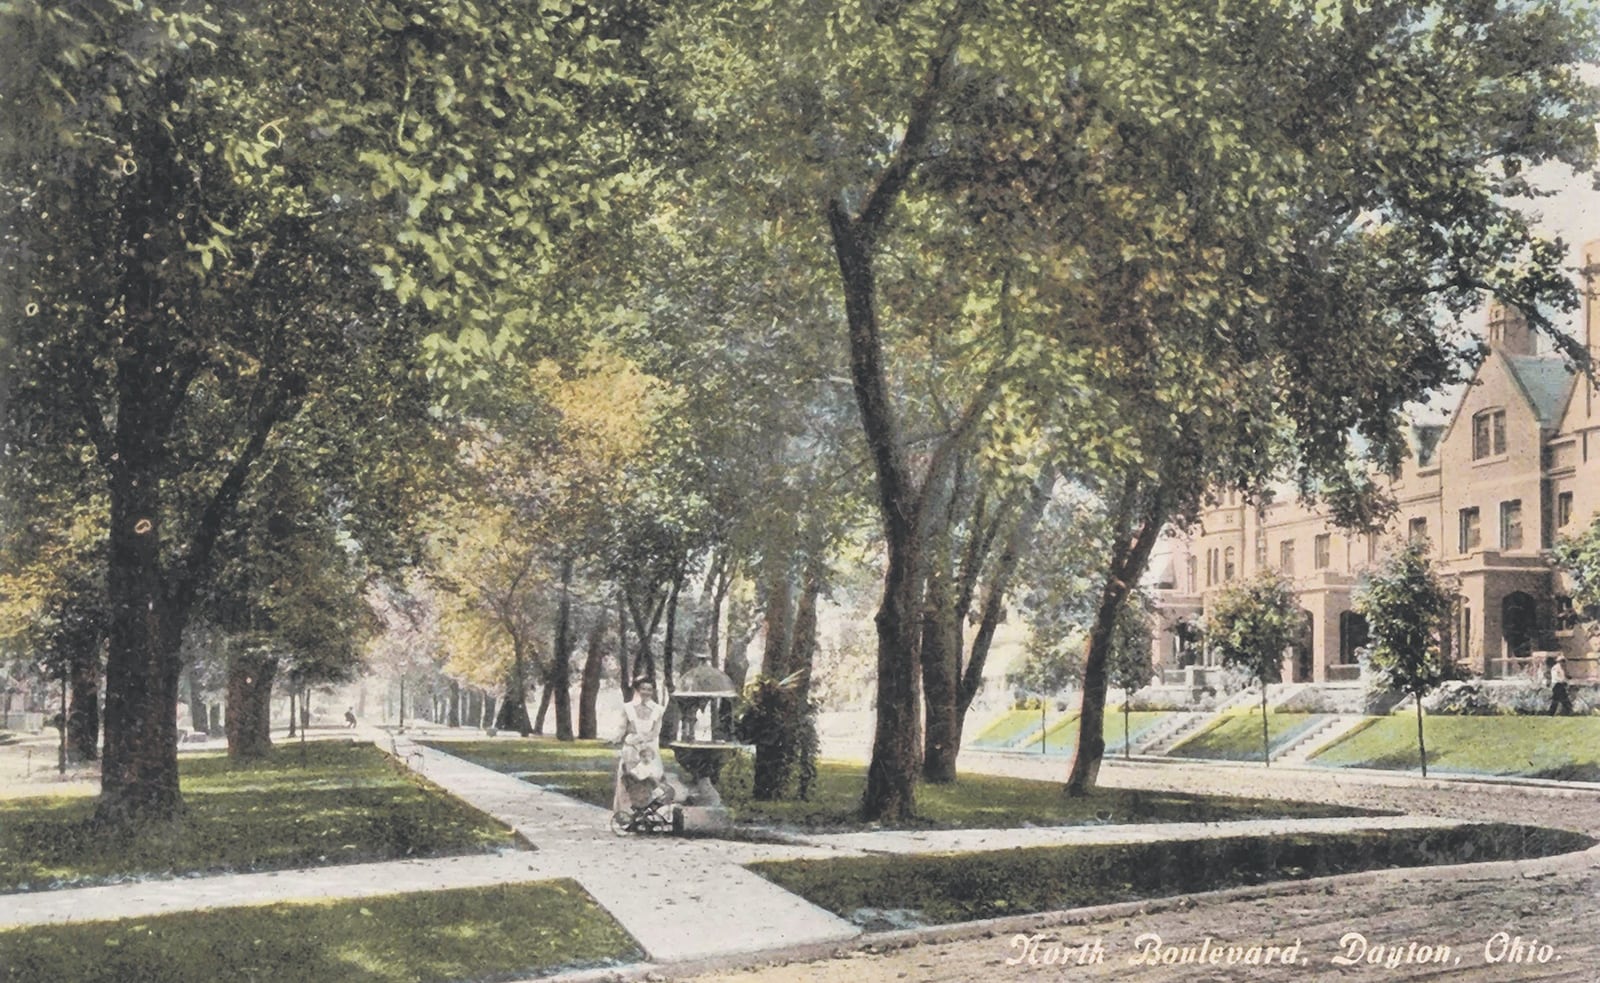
[234,204]
[1134,240]
[1408,607]
[1249,626]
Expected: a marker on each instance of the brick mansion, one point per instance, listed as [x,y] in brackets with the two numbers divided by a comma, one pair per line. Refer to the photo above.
[1490,488]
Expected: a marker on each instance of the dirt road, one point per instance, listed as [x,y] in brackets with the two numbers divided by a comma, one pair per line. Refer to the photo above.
[1534,920]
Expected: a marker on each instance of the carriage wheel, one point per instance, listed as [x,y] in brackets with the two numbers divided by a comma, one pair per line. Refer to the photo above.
[621,823]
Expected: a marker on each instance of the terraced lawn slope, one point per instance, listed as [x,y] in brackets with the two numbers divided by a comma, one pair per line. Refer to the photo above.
[1566,748]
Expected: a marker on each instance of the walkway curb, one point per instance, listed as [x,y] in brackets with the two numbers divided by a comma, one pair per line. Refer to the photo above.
[1042,922]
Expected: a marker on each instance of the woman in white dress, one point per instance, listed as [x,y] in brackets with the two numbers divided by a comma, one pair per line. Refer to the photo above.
[639,770]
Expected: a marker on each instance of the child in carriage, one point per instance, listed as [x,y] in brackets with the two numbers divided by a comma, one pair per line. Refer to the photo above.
[640,776]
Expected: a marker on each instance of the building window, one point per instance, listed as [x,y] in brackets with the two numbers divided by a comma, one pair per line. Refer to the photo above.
[1417,531]
[1471,535]
[1261,548]
[1563,509]
[1227,565]
[1286,556]
[1192,570]
[1511,525]
[1488,434]
[1321,551]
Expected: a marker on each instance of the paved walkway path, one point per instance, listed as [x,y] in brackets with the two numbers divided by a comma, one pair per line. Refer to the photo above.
[682,899]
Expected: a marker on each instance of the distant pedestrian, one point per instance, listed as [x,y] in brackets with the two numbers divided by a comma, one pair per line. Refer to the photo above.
[350,717]
[1559,698]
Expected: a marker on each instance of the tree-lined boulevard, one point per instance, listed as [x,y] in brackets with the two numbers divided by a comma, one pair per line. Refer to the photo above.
[515,352]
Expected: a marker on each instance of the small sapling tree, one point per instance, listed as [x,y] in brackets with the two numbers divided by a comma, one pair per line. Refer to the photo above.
[1250,625]
[1129,664]
[1408,605]
[1579,559]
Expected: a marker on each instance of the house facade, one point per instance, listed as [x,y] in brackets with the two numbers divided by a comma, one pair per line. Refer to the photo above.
[1490,489]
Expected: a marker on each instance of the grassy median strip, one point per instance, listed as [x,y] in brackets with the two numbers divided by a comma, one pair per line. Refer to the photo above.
[1566,748]
[940,888]
[971,802]
[344,803]
[501,932]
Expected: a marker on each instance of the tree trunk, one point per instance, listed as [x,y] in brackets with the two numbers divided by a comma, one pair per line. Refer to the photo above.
[488,719]
[941,666]
[896,739]
[669,678]
[249,721]
[777,622]
[736,663]
[1130,555]
[454,717]
[1266,745]
[561,667]
[198,719]
[83,719]
[787,647]
[721,579]
[1422,748]
[589,687]
[139,774]
[623,675]
[294,692]
[544,708]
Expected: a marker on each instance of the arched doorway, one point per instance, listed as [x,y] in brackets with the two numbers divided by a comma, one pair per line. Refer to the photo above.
[1518,625]
[1353,634]
[1304,665]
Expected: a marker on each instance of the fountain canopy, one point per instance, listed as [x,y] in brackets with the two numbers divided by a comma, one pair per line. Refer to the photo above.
[704,697]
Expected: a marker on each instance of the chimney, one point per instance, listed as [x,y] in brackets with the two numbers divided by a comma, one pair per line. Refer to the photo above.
[1508,329]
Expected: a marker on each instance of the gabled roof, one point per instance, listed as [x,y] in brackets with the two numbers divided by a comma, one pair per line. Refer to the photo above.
[1546,381]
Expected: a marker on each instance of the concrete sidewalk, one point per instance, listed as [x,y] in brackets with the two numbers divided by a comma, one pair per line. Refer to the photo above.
[681,898]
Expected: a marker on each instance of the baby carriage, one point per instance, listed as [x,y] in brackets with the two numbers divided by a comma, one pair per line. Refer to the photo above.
[655,814]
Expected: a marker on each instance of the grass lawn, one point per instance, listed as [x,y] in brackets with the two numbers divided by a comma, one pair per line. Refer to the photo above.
[1062,732]
[502,932]
[1062,737]
[349,803]
[1237,736]
[973,802]
[941,888]
[1538,747]
[989,801]
[1007,729]
[585,770]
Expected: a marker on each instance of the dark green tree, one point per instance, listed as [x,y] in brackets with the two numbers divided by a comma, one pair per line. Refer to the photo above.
[1250,625]
[1408,606]
[208,220]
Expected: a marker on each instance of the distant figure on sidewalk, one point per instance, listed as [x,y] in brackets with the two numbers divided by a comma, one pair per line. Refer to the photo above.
[350,717]
[1559,699]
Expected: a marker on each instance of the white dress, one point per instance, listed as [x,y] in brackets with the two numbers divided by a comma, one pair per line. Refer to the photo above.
[639,768]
